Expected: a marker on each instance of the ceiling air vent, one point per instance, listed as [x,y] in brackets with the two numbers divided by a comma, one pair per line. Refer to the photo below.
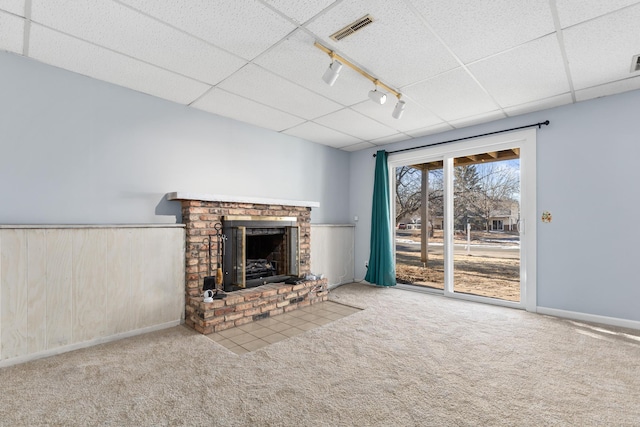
[352,28]
[635,64]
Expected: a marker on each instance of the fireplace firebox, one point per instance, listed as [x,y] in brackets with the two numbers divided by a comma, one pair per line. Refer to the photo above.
[260,250]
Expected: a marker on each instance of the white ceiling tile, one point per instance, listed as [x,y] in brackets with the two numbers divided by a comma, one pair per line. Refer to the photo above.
[477,119]
[226,104]
[266,88]
[54,48]
[11,36]
[353,123]
[300,10]
[571,12]
[299,61]
[13,6]
[359,146]
[414,115]
[597,54]
[452,95]
[526,73]
[229,24]
[476,29]
[390,139]
[430,130]
[396,48]
[124,30]
[542,104]
[322,135]
[608,89]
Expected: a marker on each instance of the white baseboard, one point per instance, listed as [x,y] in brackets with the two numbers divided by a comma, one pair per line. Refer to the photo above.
[85,344]
[585,317]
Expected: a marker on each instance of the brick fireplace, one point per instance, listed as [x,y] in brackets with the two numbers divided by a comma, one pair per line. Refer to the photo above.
[260,298]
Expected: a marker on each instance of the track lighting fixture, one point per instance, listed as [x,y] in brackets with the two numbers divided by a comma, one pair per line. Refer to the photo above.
[331,75]
[399,109]
[377,96]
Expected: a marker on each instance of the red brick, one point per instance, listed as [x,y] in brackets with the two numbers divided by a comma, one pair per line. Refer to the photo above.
[252,296]
[252,312]
[233,300]
[268,308]
[233,316]
[269,293]
[285,289]
[216,303]
[213,321]
[224,310]
[244,306]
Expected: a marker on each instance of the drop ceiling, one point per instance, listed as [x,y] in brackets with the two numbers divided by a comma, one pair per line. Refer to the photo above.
[456,62]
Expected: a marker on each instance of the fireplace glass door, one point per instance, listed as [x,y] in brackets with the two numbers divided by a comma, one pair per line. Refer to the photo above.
[264,253]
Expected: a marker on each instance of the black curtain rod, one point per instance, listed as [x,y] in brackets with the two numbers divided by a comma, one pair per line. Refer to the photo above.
[539,125]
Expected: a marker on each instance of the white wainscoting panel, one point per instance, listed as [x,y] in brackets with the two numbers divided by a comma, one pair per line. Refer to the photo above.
[332,252]
[62,286]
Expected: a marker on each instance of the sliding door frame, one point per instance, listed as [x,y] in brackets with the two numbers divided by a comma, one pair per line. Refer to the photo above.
[526,141]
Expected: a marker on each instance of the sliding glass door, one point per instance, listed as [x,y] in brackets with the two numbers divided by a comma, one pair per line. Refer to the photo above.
[465,218]
[486,217]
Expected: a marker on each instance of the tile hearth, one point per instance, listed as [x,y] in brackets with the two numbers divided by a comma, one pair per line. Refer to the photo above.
[253,336]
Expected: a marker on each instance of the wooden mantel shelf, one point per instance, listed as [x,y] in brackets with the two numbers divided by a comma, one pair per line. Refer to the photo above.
[180,195]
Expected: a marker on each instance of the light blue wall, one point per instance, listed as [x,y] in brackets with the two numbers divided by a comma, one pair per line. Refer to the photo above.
[77,150]
[588,177]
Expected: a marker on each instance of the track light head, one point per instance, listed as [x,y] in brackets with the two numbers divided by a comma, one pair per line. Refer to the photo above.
[398,110]
[331,75]
[377,96]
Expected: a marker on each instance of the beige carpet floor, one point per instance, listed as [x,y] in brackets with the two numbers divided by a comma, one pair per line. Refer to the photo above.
[407,359]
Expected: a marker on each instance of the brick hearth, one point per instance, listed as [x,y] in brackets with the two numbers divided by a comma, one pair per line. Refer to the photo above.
[248,305]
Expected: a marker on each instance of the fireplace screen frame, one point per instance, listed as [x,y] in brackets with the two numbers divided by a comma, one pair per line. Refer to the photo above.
[235,256]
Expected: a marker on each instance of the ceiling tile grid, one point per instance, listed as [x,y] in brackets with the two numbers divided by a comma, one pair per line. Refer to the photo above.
[244,27]
[476,29]
[297,60]
[608,89]
[384,48]
[456,63]
[527,73]
[571,12]
[260,85]
[226,104]
[542,104]
[452,95]
[300,10]
[353,123]
[13,6]
[390,139]
[414,116]
[52,47]
[322,134]
[430,130]
[358,146]
[117,27]
[477,119]
[11,35]
[600,50]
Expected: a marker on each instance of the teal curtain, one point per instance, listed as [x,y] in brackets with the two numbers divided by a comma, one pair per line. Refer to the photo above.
[382,269]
